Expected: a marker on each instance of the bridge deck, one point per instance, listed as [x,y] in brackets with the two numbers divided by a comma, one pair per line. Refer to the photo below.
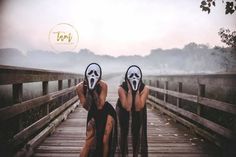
[166,138]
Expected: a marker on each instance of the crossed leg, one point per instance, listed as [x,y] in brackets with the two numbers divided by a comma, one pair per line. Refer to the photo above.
[90,138]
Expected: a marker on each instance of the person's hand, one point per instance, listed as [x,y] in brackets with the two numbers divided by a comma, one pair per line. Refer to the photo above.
[129,86]
[139,85]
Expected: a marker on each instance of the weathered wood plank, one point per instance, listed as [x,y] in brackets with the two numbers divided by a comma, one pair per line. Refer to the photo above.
[11,111]
[60,84]
[165,138]
[165,94]
[14,75]
[190,125]
[219,105]
[201,93]
[179,89]
[66,140]
[30,130]
[17,90]
[45,92]
[206,123]
[33,143]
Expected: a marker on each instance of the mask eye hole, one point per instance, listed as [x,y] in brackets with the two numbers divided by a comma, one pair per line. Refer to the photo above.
[90,72]
[95,72]
[136,75]
[131,75]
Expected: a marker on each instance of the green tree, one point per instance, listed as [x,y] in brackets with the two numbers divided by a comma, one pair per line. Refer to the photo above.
[227,37]
[230,6]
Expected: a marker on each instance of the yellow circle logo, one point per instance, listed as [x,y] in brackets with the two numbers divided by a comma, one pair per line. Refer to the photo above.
[63,37]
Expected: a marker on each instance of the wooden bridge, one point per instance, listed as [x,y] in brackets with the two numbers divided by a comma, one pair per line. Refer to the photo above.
[51,122]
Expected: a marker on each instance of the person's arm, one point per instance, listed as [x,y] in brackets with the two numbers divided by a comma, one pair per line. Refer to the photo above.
[103,94]
[125,98]
[108,129]
[90,138]
[140,98]
[85,101]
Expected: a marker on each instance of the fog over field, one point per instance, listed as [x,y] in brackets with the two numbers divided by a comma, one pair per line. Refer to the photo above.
[193,58]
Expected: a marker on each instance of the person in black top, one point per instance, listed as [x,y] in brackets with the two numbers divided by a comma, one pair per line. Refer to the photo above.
[131,106]
[101,119]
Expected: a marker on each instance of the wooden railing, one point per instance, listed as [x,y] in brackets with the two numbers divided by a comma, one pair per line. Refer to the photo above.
[211,130]
[52,107]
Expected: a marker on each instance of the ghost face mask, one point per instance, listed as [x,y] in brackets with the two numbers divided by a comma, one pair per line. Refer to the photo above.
[93,74]
[134,76]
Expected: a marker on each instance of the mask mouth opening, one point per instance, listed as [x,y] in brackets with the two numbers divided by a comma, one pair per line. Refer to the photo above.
[135,84]
[92,82]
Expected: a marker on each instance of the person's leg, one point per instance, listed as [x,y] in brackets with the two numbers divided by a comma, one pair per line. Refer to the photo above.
[136,131]
[106,137]
[90,138]
[123,117]
[124,141]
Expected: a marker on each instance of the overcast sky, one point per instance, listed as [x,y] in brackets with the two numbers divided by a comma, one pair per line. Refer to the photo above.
[114,27]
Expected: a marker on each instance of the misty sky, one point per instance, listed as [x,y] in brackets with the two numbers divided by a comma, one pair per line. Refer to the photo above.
[114,27]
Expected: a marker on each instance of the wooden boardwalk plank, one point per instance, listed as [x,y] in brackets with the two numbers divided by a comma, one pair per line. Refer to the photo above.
[166,138]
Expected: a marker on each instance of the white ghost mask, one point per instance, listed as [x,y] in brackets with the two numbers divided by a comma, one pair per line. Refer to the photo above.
[93,75]
[134,76]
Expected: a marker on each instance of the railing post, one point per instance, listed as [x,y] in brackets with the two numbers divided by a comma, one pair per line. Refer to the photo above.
[69,83]
[75,82]
[145,82]
[157,85]
[150,84]
[166,88]
[59,84]
[45,87]
[17,92]
[179,89]
[201,93]
[45,92]
[17,98]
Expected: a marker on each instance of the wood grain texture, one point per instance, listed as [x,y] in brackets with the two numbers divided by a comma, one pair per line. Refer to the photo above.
[206,123]
[11,111]
[166,138]
[27,132]
[14,75]
[216,104]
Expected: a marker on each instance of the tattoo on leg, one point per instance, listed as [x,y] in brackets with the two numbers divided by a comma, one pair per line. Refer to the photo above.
[108,127]
[90,129]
